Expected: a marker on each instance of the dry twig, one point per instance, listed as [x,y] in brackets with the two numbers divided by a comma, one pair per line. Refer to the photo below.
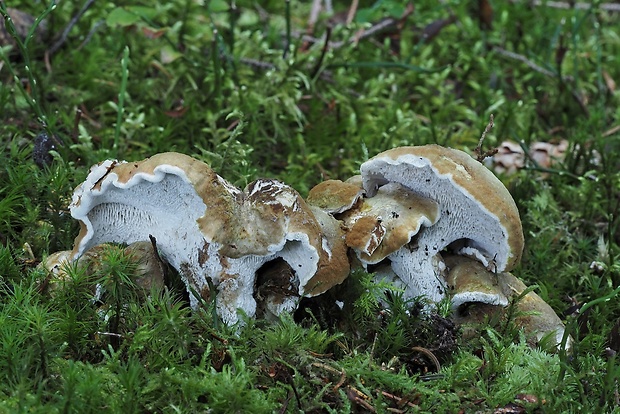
[73,22]
[359,398]
[529,63]
[480,156]
[343,374]
[352,11]
[610,7]
[425,351]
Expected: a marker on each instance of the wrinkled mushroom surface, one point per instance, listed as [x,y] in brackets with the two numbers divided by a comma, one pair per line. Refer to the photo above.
[384,223]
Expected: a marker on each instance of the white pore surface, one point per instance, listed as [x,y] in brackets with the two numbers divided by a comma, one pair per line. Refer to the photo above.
[165,205]
[237,292]
[461,217]
[423,276]
[478,297]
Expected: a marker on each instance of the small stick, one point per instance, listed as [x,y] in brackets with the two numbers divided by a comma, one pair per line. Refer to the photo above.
[343,374]
[160,262]
[73,22]
[286,402]
[317,67]
[116,335]
[352,12]
[288,27]
[612,7]
[480,156]
[399,400]
[110,168]
[529,63]
[429,354]
[90,34]
[76,124]
[359,398]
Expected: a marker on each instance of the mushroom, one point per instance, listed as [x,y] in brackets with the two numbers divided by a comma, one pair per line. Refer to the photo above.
[277,228]
[334,196]
[386,222]
[208,229]
[149,272]
[477,215]
[478,294]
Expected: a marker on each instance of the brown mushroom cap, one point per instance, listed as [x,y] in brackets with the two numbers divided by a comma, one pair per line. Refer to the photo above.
[333,268]
[478,294]
[217,195]
[384,223]
[148,272]
[208,229]
[465,190]
[334,196]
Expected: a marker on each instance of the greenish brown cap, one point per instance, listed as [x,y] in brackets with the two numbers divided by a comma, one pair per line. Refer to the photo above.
[465,190]
[334,196]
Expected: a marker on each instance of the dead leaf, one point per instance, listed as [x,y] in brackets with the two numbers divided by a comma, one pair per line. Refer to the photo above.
[485,14]
[609,81]
[528,398]
[433,29]
[151,33]
[510,408]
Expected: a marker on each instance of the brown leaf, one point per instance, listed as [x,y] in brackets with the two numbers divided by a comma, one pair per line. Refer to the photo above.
[177,112]
[609,81]
[151,33]
[510,408]
[433,29]
[528,398]
[485,14]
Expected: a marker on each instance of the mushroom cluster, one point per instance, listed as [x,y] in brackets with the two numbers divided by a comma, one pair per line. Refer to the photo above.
[419,202]
[212,233]
[413,216]
[439,224]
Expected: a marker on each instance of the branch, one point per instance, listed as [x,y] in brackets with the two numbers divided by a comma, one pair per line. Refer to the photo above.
[529,63]
[611,7]
[73,22]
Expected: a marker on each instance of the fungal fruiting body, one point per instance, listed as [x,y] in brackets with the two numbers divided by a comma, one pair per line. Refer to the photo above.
[477,215]
[430,219]
[207,229]
[479,295]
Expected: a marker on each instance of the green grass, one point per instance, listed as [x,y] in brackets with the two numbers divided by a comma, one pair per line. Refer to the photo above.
[222,85]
